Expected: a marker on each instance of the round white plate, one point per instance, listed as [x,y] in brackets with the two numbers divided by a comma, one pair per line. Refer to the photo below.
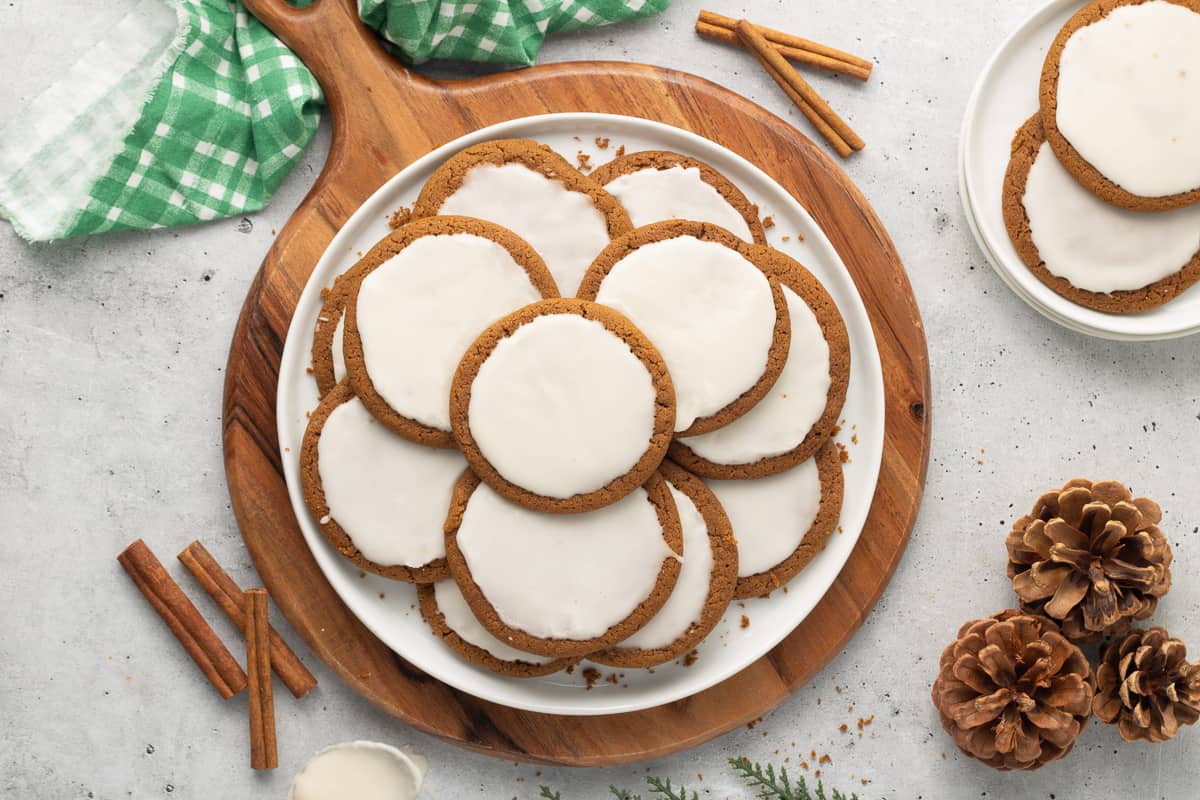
[389,609]
[1005,96]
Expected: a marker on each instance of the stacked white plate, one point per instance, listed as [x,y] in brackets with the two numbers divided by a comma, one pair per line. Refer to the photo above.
[1005,96]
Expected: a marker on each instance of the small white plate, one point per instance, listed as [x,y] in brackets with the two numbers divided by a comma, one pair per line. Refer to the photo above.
[389,608]
[1005,96]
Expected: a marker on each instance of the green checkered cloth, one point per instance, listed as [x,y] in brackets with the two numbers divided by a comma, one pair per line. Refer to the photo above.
[191,110]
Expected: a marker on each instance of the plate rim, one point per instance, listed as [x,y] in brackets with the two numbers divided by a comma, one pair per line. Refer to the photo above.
[1006,271]
[297,337]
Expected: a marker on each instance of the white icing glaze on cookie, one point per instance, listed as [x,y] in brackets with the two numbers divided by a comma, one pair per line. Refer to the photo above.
[709,312]
[770,516]
[781,420]
[1129,97]
[562,407]
[685,606]
[389,495]
[562,576]
[564,226]
[339,356]
[1098,247]
[653,195]
[460,619]
[420,310]
[362,770]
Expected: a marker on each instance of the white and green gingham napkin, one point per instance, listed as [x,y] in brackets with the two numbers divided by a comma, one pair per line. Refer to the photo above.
[191,110]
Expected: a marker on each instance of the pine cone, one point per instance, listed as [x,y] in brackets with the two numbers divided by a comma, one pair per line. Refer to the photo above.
[1091,557]
[1147,687]
[1013,691]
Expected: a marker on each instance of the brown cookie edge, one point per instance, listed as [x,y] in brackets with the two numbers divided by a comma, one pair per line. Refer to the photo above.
[1025,145]
[829,470]
[721,583]
[671,229]
[796,277]
[665,159]
[432,614]
[314,499]
[664,506]
[448,178]
[1088,176]
[617,488]
[395,242]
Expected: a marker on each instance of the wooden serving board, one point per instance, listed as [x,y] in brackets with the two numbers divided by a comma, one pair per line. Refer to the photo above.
[384,117]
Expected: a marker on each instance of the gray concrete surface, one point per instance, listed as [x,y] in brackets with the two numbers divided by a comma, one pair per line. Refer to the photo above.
[111,365]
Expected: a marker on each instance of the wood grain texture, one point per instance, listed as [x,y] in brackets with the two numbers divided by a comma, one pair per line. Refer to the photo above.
[384,117]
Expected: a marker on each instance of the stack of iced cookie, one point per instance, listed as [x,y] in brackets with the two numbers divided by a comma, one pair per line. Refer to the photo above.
[1102,193]
[582,413]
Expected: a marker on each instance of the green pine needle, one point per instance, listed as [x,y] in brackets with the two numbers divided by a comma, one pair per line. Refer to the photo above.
[667,792]
[770,786]
[766,784]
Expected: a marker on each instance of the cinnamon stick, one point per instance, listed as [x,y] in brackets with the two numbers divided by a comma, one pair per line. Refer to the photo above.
[181,616]
[786,40]
[229,596]
[808,57]
[263,751]
[835,130]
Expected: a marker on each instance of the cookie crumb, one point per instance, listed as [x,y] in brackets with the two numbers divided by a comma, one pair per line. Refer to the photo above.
[768,222]
[745,621]
[583,161]
[591,675]
[786,239]
[691,658]
[620,151]
[399,217]
[602,142]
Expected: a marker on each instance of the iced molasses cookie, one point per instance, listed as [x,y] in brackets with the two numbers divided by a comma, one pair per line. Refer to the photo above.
[563,406]
[715,312]
[1120,101]
[801,410]
[1086,250]
[378,498]
[528,188]
[781,522]
[705,586]
[423,294]
[658,185]
[328,356]
[446,612]
[563,585]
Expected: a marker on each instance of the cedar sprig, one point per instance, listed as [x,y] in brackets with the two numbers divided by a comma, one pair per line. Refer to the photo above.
[667,792]
[767,784]
[779,787]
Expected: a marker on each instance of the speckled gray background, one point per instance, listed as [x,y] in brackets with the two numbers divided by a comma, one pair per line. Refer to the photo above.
[111,366]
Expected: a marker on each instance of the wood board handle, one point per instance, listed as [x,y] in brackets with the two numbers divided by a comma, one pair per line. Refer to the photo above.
[341,51]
